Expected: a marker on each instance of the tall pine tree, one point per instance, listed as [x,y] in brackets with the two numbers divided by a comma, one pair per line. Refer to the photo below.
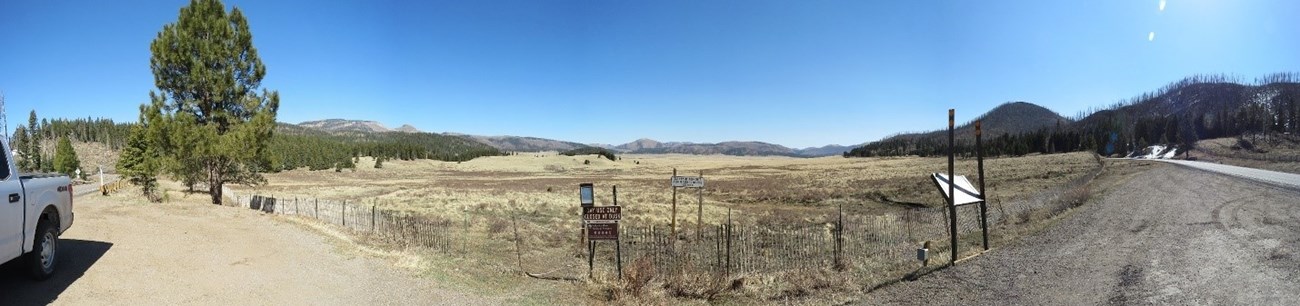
[207,70]
[33,154]
[20,144]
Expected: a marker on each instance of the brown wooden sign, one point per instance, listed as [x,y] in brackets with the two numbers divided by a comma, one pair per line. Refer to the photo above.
[602,213]
[602,231]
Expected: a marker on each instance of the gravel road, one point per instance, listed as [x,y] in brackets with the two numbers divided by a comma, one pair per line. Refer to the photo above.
[120,253]
[1169,235]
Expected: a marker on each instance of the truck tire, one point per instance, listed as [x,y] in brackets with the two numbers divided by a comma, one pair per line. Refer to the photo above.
[43,258]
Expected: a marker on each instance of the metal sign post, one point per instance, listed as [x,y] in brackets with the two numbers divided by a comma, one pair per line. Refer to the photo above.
[600,223]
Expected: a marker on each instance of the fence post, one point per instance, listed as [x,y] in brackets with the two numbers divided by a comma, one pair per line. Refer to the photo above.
[372,217]
[519,253]
[344,212]
[952,198]
[839,239]
[727,271]
[315,204]
[464,237]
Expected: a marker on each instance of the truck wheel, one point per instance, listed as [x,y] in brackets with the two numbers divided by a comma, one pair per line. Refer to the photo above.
[42,259]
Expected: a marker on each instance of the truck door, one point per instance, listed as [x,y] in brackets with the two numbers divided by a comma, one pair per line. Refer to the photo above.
[11,210]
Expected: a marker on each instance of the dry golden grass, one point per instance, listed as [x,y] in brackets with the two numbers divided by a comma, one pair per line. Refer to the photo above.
[472,205]
[546,183]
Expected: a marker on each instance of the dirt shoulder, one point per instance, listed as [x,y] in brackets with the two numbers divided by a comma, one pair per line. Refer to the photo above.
[123,252]
[1168,235]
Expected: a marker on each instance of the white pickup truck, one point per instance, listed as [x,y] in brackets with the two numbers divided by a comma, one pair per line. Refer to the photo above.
[39,209]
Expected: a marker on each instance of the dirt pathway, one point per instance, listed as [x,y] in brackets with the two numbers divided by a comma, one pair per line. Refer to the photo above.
[1167,236]
[120,253]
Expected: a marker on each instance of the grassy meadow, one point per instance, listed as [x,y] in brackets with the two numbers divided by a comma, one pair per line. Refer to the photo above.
[753,187]
[494,216]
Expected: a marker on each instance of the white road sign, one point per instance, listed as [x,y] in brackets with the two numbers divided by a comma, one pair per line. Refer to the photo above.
[688,181]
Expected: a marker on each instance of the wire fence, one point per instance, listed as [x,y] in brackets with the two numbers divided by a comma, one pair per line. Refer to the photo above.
[546,246]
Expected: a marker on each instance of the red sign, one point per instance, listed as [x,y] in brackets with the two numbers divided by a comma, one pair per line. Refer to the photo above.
[602,231]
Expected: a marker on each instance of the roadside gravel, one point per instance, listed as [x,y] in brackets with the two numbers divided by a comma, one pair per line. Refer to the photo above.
[122,252]
[1169,235]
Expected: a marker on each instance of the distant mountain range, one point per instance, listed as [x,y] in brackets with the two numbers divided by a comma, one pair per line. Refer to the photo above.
[535,144]
[1010,118]
[345,125]
[651,146]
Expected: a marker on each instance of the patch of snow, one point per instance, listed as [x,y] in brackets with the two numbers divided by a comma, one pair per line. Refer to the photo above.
[1170,154]
[1156,152]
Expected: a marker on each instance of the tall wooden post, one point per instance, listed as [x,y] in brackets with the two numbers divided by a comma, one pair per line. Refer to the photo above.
[674,213]
[979,157]
[618,253]
[699,216]
[618,241]
[952,204]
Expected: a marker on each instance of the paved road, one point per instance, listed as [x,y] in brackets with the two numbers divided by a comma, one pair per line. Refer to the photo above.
[1272,177]
[1168,236]
[124,252]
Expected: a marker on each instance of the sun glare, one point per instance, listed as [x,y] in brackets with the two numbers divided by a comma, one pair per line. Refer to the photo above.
[1151,36]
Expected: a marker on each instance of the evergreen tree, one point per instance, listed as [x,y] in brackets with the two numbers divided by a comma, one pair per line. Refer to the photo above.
[139,161]
[379,162]
[20,145]
[205,67]
[34,144]
[65,158]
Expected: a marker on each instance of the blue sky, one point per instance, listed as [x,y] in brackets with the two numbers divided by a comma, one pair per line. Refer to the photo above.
[796,73]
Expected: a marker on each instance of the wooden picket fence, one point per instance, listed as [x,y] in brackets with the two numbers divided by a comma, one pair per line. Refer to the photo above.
[841,242]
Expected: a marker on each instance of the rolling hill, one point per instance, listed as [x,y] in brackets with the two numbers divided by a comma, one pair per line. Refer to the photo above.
[1197,107]
[524,144]
[1010,118]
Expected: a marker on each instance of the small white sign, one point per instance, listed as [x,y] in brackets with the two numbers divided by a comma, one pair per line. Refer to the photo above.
[966,193]
[688,181]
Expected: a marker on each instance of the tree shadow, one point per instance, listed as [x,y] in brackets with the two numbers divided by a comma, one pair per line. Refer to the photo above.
[76,256]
